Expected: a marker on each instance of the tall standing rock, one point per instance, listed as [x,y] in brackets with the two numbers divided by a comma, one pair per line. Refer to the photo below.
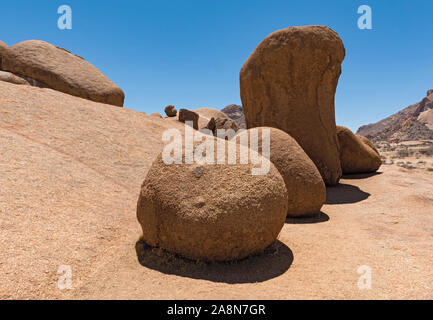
[61,71]
[289,83]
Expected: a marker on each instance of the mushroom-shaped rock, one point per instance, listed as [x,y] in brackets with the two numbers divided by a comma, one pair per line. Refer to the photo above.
[211,212]
[188,115]
[61,71]
[289,83]
[305,187]
[356,156]
[170,111]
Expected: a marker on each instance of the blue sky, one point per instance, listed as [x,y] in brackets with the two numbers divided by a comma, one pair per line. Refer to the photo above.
[189,53]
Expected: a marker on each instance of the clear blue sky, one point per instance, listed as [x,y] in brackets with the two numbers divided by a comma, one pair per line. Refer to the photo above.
[189,53]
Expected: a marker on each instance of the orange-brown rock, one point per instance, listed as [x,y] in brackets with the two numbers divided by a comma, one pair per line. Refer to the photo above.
[188,115]
[289,82]
[225,124]
[170,111]
[368,143]
[12,78]
[3,49]
[206,114]
[305,187]
[211,212]
[356,156]
[61,71]
[156,114]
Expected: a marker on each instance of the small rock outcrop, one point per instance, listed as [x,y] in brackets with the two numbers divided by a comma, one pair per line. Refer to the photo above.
[3,49]
[156,114]
[211,212]
[187,115]
[170,111]
[61,71]
[356,156]
[221,123]
[305,187]
[12,78]
[206,114]
[236,113]
[289,83]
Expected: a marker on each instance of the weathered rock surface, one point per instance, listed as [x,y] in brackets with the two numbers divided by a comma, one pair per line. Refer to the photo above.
[236,113]
[70,175]
[216,124]
[12,78]
[289,83]
[3,49]
[368,143]
[61,71]
[156,114]
[356,156]
[211,212]
[305,187]
[206,114]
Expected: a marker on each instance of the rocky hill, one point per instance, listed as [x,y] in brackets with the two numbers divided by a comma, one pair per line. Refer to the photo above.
[235,112]
[412,123]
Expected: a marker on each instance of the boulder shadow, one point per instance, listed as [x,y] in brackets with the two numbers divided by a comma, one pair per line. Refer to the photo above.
[273,262]
[313,218]
[357,176]
[345,193]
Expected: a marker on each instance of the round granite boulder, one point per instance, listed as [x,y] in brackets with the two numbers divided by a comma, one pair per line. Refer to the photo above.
[211,212]
[305,187]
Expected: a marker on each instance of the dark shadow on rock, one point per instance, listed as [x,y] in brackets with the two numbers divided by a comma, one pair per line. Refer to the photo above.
[273,262]
[345,193]
[360,175]
[314,218]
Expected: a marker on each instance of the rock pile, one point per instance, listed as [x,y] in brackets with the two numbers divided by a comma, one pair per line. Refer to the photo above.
[220,212]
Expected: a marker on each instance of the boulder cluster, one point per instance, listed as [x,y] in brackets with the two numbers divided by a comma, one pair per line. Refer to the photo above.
[38,63]
[220,212]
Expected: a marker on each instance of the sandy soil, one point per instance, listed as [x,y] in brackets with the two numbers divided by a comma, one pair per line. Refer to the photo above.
[71,171]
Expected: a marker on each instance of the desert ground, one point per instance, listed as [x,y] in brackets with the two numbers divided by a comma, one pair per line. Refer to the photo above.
[71,172]
[412,155]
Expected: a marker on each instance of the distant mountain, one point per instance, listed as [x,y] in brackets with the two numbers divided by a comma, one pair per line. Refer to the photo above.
[236,113]
[412,123]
